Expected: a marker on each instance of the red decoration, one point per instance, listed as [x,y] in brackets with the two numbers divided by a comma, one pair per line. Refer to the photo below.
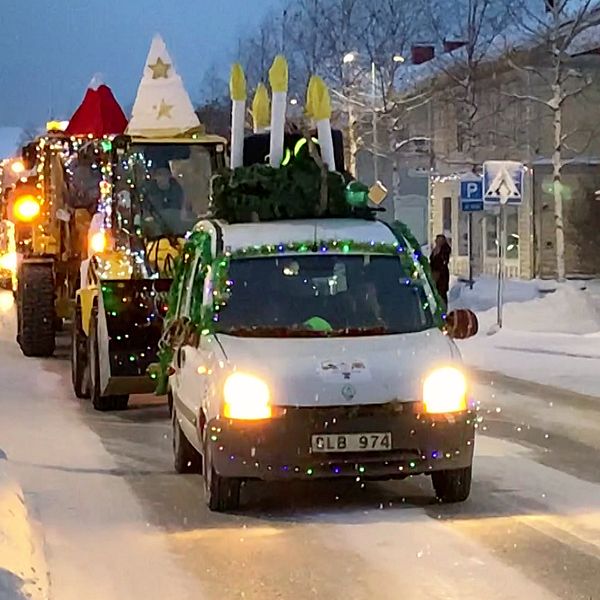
[462,324]
[98,115]
[421,54]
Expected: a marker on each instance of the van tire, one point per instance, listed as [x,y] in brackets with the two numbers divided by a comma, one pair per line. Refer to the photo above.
[453,485]
[185,457]
[222,493]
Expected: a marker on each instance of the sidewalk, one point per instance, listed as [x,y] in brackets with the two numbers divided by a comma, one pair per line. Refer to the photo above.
[23,571]
[551,333]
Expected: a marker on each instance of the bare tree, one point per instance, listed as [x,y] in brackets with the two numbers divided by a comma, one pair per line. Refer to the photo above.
[556,27]
[471,32]
[257,49]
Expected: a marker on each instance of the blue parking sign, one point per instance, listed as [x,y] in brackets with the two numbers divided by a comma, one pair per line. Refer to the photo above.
[471,194]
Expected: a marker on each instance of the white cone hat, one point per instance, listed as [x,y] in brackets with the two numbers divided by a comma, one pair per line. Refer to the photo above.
[162,106]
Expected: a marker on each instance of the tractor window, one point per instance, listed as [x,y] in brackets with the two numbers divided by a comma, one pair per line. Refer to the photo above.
[165,187]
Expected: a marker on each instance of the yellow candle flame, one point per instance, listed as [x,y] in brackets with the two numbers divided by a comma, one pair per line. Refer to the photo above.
[278,74]
[318,101]
[237,83]
[261,110]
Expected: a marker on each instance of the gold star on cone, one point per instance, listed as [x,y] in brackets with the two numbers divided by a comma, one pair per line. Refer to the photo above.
[160,69]
[164,110]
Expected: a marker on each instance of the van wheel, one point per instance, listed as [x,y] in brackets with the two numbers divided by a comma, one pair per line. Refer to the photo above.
[99,402]
[222,493]
[452,485]
[186,458]
[79,369]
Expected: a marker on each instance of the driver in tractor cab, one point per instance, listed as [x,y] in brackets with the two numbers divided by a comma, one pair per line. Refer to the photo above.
[164,191]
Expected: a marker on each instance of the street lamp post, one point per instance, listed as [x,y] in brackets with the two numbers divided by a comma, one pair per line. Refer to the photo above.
[349,58]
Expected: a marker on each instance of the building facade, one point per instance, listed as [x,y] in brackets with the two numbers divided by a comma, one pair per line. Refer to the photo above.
[512,124]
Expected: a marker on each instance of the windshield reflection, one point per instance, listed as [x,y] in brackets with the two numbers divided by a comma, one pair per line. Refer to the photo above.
[317,295]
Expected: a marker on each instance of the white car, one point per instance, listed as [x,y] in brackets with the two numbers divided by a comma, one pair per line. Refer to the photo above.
[328,360]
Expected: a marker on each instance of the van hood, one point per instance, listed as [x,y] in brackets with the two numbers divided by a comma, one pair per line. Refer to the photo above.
[341,371]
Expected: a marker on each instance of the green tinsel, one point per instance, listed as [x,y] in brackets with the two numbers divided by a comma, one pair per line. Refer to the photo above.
[403,232]
[175,329]
[290,192]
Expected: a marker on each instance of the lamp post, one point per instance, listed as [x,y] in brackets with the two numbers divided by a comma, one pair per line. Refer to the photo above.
[349,58]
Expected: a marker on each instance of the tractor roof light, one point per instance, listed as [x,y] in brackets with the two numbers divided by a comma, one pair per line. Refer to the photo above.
[17,167]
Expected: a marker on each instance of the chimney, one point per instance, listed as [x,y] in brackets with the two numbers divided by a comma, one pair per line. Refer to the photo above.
[422,53]
[452,45]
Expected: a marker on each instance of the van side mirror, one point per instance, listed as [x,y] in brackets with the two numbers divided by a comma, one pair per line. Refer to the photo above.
[462,323]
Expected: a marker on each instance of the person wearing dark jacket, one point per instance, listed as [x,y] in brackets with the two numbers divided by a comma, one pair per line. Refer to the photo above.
[439,260]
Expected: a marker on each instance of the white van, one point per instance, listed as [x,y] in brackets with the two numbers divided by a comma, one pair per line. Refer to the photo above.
[327,359]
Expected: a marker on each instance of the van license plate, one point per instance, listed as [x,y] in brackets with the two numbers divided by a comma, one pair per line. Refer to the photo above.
[352,442]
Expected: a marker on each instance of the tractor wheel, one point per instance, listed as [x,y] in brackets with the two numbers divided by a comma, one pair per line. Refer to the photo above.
[79,370]
[36,317]
[100,402]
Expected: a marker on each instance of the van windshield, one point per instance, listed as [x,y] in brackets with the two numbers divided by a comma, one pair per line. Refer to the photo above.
[323,295]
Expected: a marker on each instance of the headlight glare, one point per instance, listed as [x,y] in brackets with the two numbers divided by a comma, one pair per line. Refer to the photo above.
[445,391]
[246,397]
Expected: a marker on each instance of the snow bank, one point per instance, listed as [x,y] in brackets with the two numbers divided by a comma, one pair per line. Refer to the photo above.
[533,306]
[23,572]
[550,332]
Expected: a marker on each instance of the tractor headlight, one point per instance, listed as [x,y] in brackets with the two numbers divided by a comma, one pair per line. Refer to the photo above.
[445,391]
[26,209]
[246,397]
[99,242]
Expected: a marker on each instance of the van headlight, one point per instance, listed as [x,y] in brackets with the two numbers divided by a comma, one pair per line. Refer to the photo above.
[445,391]
[246,397]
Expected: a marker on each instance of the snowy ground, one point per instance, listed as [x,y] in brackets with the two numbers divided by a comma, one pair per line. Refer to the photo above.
[117,522]
[23,571]
[551,332]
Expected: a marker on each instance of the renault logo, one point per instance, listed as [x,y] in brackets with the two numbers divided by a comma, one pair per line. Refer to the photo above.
[348,392]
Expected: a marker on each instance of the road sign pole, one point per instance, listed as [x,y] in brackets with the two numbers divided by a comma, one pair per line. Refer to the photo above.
[503,182]
[501,260]
[470,234]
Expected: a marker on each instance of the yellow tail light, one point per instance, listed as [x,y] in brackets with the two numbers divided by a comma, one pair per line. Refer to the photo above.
[26,208]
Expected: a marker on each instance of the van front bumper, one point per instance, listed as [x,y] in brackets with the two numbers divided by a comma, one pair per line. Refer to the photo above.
[281,447]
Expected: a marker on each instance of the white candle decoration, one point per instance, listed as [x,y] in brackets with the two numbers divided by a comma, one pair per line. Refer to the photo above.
[278,77]
[237,87]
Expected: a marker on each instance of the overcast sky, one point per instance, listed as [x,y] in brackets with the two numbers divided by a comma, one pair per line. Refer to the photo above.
[50,49]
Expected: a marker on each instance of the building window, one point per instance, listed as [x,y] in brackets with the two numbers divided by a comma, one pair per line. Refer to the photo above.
[491,236]
[512,232]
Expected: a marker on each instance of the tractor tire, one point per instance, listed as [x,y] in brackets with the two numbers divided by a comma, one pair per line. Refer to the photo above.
[100,402]
[35,306]
[79,368]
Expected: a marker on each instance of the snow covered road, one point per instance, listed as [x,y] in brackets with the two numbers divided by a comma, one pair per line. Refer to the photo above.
[117,521]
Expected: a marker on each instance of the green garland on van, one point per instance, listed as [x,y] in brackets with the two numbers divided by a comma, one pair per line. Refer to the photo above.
[403,232]
[175,330]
